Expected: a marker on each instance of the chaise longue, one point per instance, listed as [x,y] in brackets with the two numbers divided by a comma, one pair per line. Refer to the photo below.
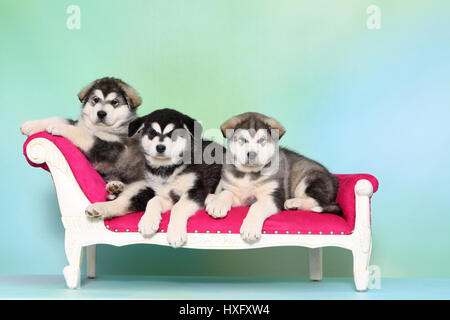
[78,184]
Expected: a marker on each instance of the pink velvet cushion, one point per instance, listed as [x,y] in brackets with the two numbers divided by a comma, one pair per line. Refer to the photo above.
[285,222]
[292,222]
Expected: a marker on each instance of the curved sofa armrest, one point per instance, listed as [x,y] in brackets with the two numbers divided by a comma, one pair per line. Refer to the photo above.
[77,183]
[351,186]
[53,152]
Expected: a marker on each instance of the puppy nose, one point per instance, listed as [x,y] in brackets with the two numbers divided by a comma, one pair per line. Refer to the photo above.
[160,148]
[251,155]
[101,114]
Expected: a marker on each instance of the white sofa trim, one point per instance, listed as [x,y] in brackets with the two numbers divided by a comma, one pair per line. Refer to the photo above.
[81,231]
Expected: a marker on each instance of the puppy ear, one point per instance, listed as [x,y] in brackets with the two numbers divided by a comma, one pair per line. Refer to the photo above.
[274,124]
[232,123]
[270,122]
[190,124]
[131,94]
[135,126]
[82,95]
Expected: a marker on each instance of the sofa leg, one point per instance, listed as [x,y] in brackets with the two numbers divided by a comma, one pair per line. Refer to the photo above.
[315,263]
[74,253]
[362,234]
[91,260]
[361,269]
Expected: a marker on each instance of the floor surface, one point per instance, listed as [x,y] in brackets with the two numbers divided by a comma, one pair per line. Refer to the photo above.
[216,288]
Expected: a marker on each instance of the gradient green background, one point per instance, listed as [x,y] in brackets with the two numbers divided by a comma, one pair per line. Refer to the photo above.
[358,100]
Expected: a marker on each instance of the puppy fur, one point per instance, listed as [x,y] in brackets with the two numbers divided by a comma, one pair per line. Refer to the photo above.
[168,138]
[266,177]
[101,133]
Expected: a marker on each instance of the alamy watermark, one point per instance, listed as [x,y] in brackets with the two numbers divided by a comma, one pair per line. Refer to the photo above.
[374,277]
[373,21]
[73,21]
[256,150]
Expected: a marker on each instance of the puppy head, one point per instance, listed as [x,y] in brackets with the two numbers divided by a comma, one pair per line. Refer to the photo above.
[252,140]
[109,103]
[166,136]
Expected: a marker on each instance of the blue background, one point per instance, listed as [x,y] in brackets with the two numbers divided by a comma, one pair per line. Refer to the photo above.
[358,100]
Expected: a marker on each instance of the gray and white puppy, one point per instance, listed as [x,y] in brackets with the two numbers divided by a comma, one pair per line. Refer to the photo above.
[172,144]
[266,177]
[101,133]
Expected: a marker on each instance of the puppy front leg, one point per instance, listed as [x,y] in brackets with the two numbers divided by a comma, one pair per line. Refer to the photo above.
[31,127]
[149,223]
[259,211]
[78,136]
[181,212]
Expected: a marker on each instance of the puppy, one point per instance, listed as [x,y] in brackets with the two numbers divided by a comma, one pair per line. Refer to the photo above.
[260,174]
[101,133]
[175,170]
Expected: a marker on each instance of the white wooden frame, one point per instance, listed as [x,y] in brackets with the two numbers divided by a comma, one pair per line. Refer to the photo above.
[81,231]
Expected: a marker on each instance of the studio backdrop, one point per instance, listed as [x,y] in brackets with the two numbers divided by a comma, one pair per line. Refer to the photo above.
[361,86]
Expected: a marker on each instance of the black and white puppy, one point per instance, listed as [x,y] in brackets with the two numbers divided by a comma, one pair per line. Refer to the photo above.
[101,133]
[176,169]
[266,177]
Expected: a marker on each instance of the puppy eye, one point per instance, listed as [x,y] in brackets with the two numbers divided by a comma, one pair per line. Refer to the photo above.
[95,100]
[115,102]
[174,135]
[242,141]
[262,140]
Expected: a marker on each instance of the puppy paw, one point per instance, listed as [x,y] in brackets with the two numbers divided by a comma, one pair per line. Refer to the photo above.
[31,127]
[250,230]
[217,208]
[210,198]
[55,130]
[176,235]
[317,209]
[293,203]
[98,210]
[114,187]
[149,225]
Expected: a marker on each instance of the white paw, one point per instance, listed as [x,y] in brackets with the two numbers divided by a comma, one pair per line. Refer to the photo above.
[176,235]
[210,198]
[293,203]
[98,210]
[31,127]
[250,230]
[149,224]
[55,130]
[217,208]
[317,209]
